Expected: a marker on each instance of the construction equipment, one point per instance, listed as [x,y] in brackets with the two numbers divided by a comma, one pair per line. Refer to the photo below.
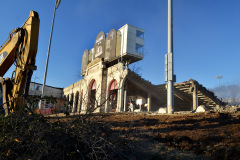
[19,49]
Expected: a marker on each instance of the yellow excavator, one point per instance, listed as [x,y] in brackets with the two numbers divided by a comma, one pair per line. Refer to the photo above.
[19,49]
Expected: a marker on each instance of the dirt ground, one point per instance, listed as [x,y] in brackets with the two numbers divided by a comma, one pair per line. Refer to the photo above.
[208,135]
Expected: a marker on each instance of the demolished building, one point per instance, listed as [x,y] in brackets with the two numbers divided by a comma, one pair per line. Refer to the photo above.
[56,93]
[110,86]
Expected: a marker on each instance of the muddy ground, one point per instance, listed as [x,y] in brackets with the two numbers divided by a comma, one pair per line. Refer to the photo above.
[208,135]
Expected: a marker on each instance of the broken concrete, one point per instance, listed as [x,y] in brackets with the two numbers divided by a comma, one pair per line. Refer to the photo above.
[201,108]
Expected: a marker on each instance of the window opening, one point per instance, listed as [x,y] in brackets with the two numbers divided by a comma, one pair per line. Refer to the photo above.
[114,85]
[140,34]
[139,48]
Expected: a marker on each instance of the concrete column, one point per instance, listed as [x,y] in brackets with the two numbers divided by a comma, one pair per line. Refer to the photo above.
[107,99]
[74,103]
[122,99]
[84,103]
[97,102]
[195,97]
[79,103]
[125,99]
[149,99]
[119,100]
[70,97]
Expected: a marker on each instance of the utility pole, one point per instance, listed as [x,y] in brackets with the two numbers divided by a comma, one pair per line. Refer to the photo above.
[49,46]
[169,76]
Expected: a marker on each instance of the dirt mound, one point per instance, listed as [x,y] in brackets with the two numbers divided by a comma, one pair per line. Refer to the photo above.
[211,134]
[208,135]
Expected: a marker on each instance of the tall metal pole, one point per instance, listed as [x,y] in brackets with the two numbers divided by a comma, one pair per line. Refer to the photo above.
[219,77]
[49,46]
[170,89]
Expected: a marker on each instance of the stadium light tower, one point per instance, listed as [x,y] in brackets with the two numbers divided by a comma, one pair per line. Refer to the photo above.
[170,78]
[57,3]
[219,77]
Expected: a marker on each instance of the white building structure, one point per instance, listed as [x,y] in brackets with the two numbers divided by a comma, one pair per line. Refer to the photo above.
[104,68]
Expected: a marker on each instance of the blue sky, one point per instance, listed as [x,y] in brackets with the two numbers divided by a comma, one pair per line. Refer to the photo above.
[206,36]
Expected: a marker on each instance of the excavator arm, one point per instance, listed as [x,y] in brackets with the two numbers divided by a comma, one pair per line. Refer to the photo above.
[20,49]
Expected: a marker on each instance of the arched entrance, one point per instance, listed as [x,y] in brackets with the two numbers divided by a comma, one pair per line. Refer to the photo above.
[71,103]
[113,94]
[92,96]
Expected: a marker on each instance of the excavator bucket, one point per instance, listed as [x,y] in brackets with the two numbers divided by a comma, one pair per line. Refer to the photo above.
[5,94]
[1,101]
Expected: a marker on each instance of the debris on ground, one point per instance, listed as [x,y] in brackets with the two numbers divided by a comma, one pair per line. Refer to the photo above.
[205,135]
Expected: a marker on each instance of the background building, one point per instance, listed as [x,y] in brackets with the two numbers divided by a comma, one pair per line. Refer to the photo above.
[35,89]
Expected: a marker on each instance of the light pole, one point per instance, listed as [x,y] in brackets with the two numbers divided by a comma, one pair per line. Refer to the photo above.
[219,77]
[49,46]
[169,74]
